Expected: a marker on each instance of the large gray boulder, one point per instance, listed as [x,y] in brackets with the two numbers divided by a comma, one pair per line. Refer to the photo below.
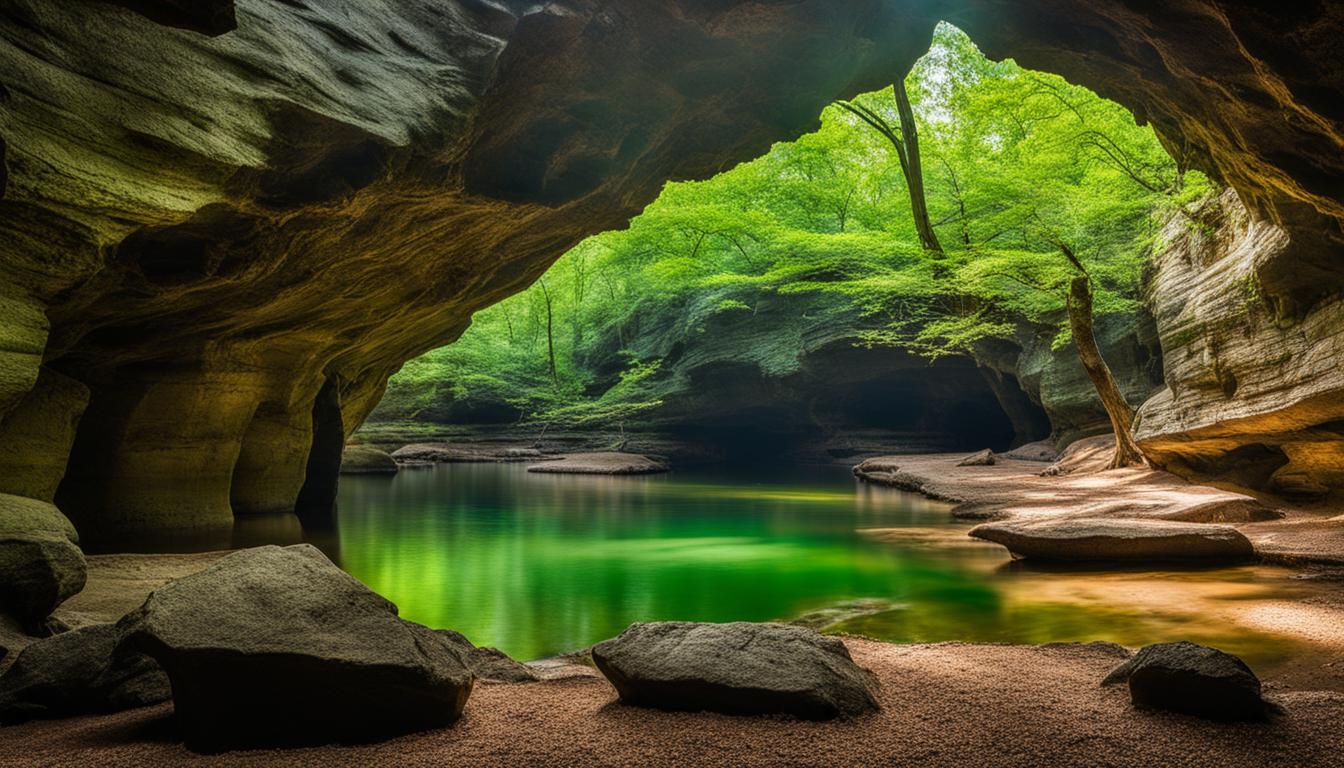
[1192,679]
[276,646]
[41,564]
[738,668]
[79,672]
[1114,539]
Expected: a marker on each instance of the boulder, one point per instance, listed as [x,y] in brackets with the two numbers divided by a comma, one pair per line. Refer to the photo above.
[739,668]
[1041,450]
[41,564]
[1194,680]
[367,460]
[601,463]
[1102,539]
[79,672]
[983,458]
[489,664]
[274,646]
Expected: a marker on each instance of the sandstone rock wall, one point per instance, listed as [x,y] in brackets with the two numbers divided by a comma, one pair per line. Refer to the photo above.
[205,231]
[1250,395]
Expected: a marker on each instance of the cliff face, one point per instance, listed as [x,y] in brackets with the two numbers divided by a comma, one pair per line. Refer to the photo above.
[1250,396]
[206,231]
[224,224]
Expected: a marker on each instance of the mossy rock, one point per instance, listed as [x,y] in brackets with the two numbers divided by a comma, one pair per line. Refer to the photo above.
[367,460]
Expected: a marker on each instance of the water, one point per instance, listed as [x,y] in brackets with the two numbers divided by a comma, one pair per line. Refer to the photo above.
[538,565]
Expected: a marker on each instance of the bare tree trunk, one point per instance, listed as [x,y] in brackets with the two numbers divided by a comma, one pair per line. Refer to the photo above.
[907,151]
[1127,453]
[550,332]
[914,170]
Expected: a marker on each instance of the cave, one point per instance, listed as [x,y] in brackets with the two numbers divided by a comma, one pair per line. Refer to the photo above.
[225,225]
[368,240]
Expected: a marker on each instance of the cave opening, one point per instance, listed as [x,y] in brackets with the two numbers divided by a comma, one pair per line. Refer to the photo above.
[867,277]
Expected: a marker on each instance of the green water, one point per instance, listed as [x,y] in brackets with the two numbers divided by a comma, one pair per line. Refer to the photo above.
[542,564]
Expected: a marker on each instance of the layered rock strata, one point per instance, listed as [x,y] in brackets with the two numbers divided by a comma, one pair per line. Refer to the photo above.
[230,222]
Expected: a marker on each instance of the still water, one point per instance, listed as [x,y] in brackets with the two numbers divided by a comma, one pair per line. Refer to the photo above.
[543,564]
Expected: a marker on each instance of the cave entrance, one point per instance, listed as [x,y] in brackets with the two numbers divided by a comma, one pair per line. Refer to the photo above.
[906,267]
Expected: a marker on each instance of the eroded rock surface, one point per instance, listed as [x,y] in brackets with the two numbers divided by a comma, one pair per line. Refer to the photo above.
[1192,679]
[738,668]
[1251,396]
[233,229]
[279,646]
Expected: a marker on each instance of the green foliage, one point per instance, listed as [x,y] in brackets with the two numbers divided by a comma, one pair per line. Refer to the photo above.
[818,233]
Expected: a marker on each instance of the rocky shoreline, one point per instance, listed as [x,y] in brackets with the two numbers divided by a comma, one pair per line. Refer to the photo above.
[1013,497]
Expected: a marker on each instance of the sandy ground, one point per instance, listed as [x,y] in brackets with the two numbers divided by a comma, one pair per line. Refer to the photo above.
[1012,488]
[942,705]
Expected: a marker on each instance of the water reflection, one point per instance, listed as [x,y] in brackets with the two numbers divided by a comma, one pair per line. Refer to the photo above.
[541,564]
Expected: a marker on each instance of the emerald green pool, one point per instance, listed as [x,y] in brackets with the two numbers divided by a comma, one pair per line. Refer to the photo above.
[537,565]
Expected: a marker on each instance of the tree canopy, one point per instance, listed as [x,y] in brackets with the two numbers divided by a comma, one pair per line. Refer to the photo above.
[1015,163]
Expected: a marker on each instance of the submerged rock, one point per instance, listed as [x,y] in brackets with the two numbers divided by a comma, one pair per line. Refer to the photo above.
[274,645]
[739,668]
[41,564]
[1194,680]
[79,672]
[602,463]
[366,460]
[1083,539]
[983,458]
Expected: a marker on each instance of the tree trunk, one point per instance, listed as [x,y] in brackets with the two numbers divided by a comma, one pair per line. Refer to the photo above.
[1127,453]
[550,333]
[914,170]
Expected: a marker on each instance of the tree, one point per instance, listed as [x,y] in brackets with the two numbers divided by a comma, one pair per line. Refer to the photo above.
[905,139]
[814,230]
[1081,322]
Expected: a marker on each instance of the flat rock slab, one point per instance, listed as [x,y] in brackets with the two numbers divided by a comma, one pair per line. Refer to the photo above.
[601,463]
[367,460]
[277,646]
[739,668]
[79,672]
[448,453]
[1108,539]
[1194,680]
[1017,489]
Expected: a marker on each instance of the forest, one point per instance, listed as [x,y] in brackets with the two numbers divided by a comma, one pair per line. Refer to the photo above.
[936,216]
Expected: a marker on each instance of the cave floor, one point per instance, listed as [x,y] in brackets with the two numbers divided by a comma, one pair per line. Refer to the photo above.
[946,704]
